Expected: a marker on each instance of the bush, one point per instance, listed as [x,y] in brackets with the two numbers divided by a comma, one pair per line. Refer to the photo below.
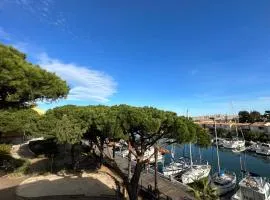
[10,164]
[5,149]
[4,153]
[46,147]
[23,167]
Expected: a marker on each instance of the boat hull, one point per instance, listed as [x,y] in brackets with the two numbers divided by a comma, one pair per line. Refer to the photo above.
[197,173]
[264,153]
[224,189]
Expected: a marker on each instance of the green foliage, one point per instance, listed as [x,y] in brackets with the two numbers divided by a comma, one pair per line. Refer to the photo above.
[202,190]
[10,164]
[45,147]
[18,121]
[252,135]
[21,167]
[22,83]
[244,116]
[255,116]
[68,130]
[203,138]
[223,133]
[5,149]
[143,127]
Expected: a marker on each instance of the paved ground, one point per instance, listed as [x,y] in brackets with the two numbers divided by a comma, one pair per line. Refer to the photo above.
[89,184]
[97,185]
[8,187]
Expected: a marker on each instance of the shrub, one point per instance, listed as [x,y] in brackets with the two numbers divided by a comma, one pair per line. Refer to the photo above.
[10,164]
[5,149]
[23,167]
[46,147]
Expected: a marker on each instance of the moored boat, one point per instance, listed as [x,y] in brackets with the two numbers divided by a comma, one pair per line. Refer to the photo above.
[195,172]
[222,182]
[264,149]
[174,167]
[233,144]
[239,149]
[252,188]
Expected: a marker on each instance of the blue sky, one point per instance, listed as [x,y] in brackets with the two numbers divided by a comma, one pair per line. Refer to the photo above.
[205,56]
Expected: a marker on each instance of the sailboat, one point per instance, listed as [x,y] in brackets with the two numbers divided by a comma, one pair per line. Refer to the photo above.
[253,187]
[264,149]
[223,182]
[235,143]
[195,172]
[174,167]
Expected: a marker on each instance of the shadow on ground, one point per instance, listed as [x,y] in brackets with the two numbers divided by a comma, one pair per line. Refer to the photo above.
[62,188]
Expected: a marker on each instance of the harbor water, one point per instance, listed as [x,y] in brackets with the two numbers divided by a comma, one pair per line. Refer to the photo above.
[229,160]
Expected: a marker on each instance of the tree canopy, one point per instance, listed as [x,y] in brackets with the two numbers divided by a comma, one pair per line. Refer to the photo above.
[251,117]
[18,122]
[255,116]
[22,83]
[244,116]
[141,127]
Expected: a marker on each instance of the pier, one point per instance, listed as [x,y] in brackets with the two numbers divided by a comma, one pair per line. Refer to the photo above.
[173,190]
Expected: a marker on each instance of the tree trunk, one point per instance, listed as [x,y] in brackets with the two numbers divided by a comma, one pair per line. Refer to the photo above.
[156,155]
[101,153]
[133,185]
[113,150]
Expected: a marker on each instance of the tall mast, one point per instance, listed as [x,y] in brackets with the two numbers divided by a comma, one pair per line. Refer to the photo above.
[217,147]
[190,154]
[190,151]
[173,153]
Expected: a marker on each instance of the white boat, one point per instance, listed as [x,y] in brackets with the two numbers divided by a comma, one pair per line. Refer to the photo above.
[252,188]
[222,181]
[239,150]
[148,155]
[264,149]
[174,167]
[195,172]
[233,144]
[253,147]
[219,141]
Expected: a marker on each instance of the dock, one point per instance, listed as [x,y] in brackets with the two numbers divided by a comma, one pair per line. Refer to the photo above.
[173,190]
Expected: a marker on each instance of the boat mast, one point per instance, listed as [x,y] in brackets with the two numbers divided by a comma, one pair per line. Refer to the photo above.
[190,154]
[217,146]
[190,151]
[173,153]
[236,129]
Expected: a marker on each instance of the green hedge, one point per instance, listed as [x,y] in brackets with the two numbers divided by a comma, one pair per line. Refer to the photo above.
[17,166]
[5,149]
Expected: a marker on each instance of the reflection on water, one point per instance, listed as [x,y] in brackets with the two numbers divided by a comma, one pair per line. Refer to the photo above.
[230,161]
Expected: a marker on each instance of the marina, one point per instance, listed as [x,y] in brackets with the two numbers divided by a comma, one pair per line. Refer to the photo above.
[227,169]
[229,160]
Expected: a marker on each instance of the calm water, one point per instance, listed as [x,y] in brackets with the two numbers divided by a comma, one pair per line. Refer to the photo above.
[228,160]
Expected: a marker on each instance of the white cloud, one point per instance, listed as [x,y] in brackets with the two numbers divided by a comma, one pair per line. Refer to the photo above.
[86,84]
[4,35]
[264,98]
[21,46]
